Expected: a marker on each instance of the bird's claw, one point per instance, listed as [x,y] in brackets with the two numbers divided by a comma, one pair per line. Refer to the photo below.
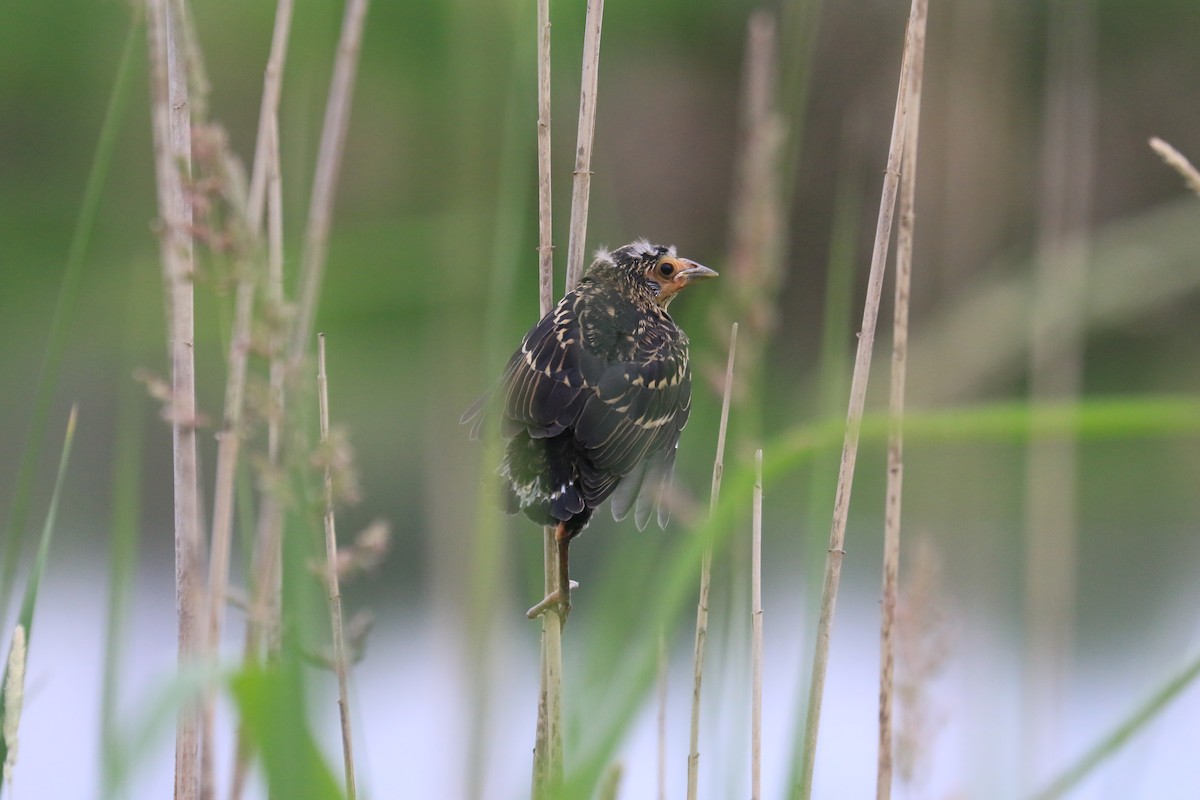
[557,601]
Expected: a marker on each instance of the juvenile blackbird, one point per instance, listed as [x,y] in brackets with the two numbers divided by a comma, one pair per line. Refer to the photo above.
[594,399]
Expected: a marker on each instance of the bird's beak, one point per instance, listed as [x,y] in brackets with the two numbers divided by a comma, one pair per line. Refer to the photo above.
[694,272]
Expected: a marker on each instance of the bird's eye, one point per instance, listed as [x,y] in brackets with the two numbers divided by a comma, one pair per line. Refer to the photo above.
[666,269]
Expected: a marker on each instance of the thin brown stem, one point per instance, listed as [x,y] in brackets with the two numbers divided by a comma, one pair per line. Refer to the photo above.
[268,113]
[756,634]
[662,716]
[895,473]
[545,209]
[753,266]
[858,395]
[172,158]
[706,578]
[268,535]
[582,185]
[228,450]
[331,578]
[548,746]
[329,162]
[1178,162]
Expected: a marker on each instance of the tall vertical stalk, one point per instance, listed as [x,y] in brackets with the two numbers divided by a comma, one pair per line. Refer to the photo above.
[171,118]
[331,577]
[545,196]
[547,748]
[895,470]
[756,640]
[250,215]
[693,766]
[582,184]
[858,394]
[268,535]
[329,162]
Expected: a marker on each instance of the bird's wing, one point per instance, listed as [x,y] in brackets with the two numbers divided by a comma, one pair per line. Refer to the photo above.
[646,489]
[635,415]
[550,377]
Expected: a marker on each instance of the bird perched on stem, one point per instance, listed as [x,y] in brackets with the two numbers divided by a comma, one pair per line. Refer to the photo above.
[594,399]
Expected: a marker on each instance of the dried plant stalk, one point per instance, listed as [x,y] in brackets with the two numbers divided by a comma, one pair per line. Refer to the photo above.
[228,450]
[545,208]
[858,393]
[756,634]
[268,111]
[895,473]
[329,162]
[1178,162]
[548,747]
[171,120]
[754,262]
[662,716]
[582,185]
[268,535]
[706,577]
[331,578]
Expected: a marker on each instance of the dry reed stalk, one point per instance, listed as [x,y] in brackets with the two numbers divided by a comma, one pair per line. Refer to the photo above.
[922,639]
[14,694]
[274,289]
[545,207]
[756,634]
[895,469]
[331,578]
[239,343]
[1056,368]
[756,232]
[662,716]
[582,184]
[1178,162]
[172,158]
[249,272]
[193,60]
[706,577]
[858,393]
[268,535]
[268,111]
[548,746]
[329,162]
[228,449]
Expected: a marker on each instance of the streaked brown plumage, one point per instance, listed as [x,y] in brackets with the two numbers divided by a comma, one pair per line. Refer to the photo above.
[594,399]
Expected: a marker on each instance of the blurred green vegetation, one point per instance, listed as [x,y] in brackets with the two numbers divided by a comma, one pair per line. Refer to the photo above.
[427,211]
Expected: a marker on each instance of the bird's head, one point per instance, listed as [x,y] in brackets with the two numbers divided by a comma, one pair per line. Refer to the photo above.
[653,269]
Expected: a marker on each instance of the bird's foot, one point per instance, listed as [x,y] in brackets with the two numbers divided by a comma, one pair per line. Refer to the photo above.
[557,601]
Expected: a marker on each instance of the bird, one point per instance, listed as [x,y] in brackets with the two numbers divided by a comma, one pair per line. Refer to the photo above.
[592,403]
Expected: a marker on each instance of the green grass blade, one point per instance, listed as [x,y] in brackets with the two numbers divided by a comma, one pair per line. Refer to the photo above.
[68,292]
[271,705]
[25,619]
[1122,733]
[39,565]
[123,560]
